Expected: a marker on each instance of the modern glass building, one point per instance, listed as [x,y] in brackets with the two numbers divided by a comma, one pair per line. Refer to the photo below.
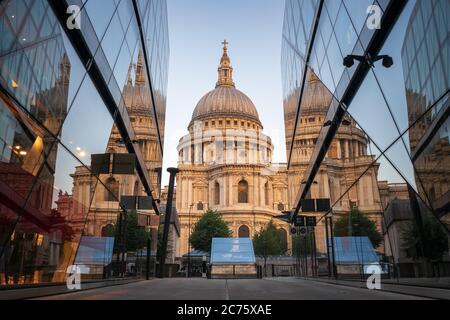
[369,135]
[82,110]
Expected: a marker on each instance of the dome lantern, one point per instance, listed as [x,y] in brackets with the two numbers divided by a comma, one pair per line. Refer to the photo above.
[225,69]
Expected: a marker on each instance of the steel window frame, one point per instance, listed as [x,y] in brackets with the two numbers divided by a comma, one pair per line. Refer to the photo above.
[121,119]
[393,10]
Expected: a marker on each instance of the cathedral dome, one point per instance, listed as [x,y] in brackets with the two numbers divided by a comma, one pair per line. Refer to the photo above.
[225,100]
[317,98]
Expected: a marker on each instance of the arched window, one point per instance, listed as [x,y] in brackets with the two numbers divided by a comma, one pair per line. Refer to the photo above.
[108,230]
[266,193]
[280,207]
[216,194]
[200,206]
[243,192]
[283,237]
[244,232]
[112,189]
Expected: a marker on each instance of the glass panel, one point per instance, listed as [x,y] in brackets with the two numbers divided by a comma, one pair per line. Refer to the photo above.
[232,251]
[45,240]
[426,59]
[101,21]
[25,150]
[315,103]
[433,171]
[296,32]
[149,121]
[51,126]
[112,41]
[88,125]
[357,9]
[369,109]
[40,74]
[385,171]
[398,156]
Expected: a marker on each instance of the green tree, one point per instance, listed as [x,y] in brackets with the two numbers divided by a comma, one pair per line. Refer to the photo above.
[135,235]
[435,239]
[267,242]
[357,224]
[211,225]
[300,243]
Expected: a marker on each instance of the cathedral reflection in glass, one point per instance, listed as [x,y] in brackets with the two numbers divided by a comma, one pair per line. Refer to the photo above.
[374,139]
[56,112]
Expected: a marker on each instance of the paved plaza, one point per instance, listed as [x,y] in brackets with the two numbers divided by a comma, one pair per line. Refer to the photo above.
[202,289]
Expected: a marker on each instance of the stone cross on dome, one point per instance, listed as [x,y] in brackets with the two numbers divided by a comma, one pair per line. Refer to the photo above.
[225,45]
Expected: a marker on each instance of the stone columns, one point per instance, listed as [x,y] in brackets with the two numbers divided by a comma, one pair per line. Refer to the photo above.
[347,151]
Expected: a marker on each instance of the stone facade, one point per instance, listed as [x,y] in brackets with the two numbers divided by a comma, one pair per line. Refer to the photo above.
[226,164]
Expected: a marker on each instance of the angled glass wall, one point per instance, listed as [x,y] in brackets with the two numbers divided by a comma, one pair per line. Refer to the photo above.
[61,104]
[374,138]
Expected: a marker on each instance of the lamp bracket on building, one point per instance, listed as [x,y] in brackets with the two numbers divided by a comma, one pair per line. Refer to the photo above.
[349,60]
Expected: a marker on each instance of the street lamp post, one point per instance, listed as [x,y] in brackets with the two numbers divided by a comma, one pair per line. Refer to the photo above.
[328,247]
[314,253]
[167,220]
[330,222]
[188,273]
[305,257]
[123,265]
[204,269]
[149,253]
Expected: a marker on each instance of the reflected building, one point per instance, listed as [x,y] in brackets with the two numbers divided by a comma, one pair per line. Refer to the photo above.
[102,200]
[373,147]
[35,75]
[60,103]
[426,65]
[347,159]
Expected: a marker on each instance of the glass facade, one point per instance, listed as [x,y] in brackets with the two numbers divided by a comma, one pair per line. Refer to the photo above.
[65,97]
[371,137]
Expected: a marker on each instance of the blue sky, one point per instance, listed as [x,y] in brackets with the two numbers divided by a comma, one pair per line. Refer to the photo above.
[196,29]
[254,30]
